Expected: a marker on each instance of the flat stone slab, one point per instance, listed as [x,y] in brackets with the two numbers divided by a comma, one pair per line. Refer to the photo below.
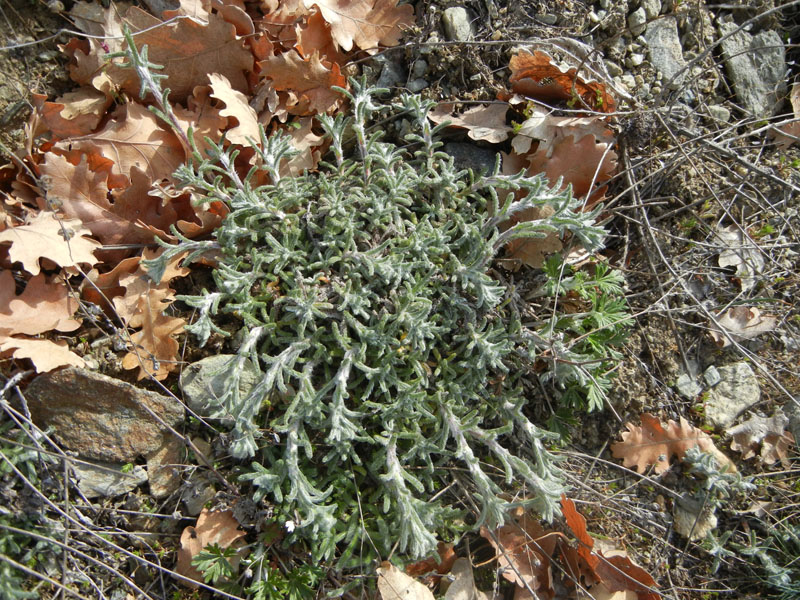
[736,391]
[107,479]
[101,417]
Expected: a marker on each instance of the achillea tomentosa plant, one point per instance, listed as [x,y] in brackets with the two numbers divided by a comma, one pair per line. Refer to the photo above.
[387,352]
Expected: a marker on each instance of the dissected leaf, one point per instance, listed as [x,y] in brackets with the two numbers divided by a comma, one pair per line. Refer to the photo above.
[45,355]
[585,164]
[533,251]
[236,107]
[740,252]
[767,434]
[536,75]
[548,130]
[786,135]
[653,444]
[62,241]
[309,79]
[42,306]
[463,585]
[741,323]
[523,551]
[430,565]
[133,137]
[486,122]
[393,584]
[73,114]
[365,23]
[218,527]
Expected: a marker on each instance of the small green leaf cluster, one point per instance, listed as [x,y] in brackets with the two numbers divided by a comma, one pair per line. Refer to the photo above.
[391,362]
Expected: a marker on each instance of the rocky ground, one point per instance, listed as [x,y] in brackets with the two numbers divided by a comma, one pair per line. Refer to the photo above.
[703,212]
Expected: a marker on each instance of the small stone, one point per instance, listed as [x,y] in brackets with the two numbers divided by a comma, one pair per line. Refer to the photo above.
[105,479]
[736,391]
[613,68]
[635,60]
[712,376]
[637,21]
[419,68]
[417,85]
[430,44]
[546,19]
[457,24]
[163,474]
[628,81]
[688,387]
[197,494]
[205,380]
[652,8]
[666,52]
[594,17]
[393,74]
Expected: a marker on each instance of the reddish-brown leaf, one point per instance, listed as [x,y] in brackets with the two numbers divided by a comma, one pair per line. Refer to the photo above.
[309,80]
[73,114]
[365,23]
[653,444]
[218,527]
[44,305]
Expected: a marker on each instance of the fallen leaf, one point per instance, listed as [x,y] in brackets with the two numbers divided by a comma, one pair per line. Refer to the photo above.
[133,137]
[309,79]
[740,252]
[585,164]
[45,355]
[692,518]
[524,549]
[653,444]
[430,565]
[620,573]
[218,527]
[462,586]
[73,114]
[307,143]
[532,251]
[393,584]
[486,122]
[741,323]
[548,130]
[786,135]
[365,23]
[769,434]
[236,107]
[577,523]
[62,241]
[41,307]
[536,75]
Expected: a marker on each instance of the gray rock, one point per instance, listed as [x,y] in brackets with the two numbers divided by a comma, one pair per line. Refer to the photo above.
[457,24]
[720,113]
[688,387]
[205,380]
[637,21]
[393,73]
[417,85]
[107,479]
[712,376]
[100,417]
[613,68]
[547,19]
[470,156]
[419,68]
[652,8]
[756,65]
[666,54]
[197,494]
[736,391]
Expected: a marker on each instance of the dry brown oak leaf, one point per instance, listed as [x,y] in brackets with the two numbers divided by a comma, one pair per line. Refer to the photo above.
[218,527]
[365,23]
[62,241]
[486,122]
[73,114]
[309,80]
[653,444]
[44,305]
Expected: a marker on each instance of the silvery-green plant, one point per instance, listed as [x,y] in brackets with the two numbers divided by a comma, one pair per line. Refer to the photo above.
[390,360]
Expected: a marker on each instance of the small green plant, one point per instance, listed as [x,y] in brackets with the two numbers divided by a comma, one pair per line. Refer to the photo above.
[366,304]
[214,563]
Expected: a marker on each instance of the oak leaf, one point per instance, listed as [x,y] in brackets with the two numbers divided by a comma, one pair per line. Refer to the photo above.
[238,108]
[431,565]
[62,241]
[365,23]
[217,527]
[45,355]
[132,137]
[653,444]
[788,134]
[741,323]
[73,114]
[486,122]
[548,130]
[536,75]
[42,306]
[393,584]
[309,79]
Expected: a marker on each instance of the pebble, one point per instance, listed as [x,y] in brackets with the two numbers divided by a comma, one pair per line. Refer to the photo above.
[634,60]
[457,24]
[637,21]
[720,113]
[547,19]
[613,68]
[419,68]
[651,8]
[417,85]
